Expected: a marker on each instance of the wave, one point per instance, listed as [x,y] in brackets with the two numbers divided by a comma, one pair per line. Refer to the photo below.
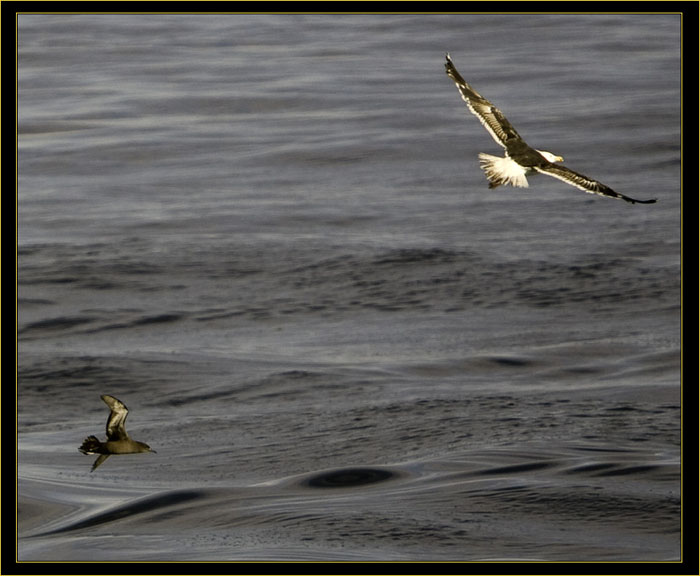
[428,509]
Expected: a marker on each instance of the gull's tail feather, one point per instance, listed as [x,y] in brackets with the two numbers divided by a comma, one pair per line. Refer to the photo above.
[502,171]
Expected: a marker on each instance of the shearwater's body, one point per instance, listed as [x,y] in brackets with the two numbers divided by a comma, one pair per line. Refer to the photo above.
[520,159]
[118,441]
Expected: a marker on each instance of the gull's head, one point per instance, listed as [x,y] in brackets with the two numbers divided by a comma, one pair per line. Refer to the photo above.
[551,157]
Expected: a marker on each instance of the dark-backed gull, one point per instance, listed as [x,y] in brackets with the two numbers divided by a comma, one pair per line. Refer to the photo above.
[118,441]
[520,159]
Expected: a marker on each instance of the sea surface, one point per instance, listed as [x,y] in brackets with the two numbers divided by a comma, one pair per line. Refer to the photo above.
[269,236]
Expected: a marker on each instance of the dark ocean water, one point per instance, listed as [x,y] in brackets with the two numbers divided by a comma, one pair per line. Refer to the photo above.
[270,237]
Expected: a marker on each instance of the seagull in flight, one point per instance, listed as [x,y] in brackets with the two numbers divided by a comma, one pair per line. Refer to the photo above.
[520,159]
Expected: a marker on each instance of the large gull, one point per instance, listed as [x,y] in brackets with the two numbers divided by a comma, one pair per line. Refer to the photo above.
[520,159]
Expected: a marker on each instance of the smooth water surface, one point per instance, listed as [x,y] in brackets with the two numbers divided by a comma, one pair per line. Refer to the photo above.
[269,236]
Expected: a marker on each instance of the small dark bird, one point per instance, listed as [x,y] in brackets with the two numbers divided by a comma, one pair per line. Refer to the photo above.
[118,441]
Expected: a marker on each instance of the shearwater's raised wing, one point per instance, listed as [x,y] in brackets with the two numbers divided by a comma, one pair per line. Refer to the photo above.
[117,417]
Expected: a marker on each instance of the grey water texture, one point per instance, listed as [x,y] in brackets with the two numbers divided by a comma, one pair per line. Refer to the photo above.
[269,236]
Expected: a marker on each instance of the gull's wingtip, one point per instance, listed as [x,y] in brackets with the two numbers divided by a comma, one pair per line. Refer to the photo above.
[449,66]
[635,201]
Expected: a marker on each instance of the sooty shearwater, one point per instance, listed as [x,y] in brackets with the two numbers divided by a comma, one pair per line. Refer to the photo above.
[118,441]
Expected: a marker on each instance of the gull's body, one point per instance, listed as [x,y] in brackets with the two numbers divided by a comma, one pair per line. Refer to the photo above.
[118,441]
[520,159]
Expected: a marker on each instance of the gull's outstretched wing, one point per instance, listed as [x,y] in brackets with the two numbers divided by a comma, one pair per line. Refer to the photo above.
[491,117]
[584,183]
